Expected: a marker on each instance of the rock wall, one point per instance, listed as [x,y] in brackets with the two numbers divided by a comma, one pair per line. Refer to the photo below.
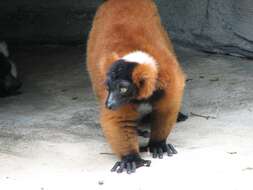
[223,26]
[47,21]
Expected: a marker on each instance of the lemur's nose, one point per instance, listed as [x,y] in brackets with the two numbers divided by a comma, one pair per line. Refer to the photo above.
[111,103]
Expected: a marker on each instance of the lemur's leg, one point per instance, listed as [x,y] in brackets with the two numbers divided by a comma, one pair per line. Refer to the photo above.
[181,117]
[165,116]
[119,127]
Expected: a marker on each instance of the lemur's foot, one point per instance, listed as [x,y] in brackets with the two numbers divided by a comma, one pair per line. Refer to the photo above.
[181,117]
[130,163]
[143,133]
[158,148]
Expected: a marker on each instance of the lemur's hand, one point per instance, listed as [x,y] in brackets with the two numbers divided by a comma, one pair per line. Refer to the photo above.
[158,148]
[130,163]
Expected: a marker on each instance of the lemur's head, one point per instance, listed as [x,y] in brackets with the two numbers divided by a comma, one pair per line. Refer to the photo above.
[9,82]
[133,77]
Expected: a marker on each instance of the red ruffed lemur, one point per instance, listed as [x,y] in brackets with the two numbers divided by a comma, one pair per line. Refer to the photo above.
[136,77]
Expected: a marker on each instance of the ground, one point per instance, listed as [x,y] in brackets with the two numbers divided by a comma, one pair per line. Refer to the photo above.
[50,136]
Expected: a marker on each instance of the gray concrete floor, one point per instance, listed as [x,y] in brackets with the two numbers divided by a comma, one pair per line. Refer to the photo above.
[50,137]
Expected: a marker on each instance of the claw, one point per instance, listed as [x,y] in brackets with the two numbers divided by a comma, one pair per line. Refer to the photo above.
[169,152]
[114,168]
[147,163]
[160,153]
[129,170]
[133,167]
[154,153]
[121,168]
[174,151]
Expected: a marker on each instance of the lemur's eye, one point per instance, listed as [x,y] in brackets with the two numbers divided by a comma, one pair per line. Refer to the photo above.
[123,90]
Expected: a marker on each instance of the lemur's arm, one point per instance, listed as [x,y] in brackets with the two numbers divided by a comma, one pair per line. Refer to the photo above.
[120,129]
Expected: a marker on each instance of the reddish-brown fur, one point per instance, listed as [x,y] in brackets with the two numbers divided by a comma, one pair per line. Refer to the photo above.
[121,27]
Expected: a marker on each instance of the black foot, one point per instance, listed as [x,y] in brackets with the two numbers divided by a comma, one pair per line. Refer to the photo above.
[130,163]
[144,134]
[181,117]
[158,148]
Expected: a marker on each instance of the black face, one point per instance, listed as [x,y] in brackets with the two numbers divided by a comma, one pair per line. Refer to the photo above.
[8,83]
[121,89]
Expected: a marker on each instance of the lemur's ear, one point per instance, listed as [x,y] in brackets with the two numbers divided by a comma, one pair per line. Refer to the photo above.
[144,76]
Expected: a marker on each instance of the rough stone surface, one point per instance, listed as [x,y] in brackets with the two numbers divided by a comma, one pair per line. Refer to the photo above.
[50,136]
[211,25]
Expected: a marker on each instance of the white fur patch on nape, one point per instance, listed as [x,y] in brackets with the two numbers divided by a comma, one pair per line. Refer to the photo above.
[141,58]
[4,49]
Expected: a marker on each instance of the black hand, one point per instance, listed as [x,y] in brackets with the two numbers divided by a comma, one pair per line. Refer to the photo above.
[130,163]
[158,148]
